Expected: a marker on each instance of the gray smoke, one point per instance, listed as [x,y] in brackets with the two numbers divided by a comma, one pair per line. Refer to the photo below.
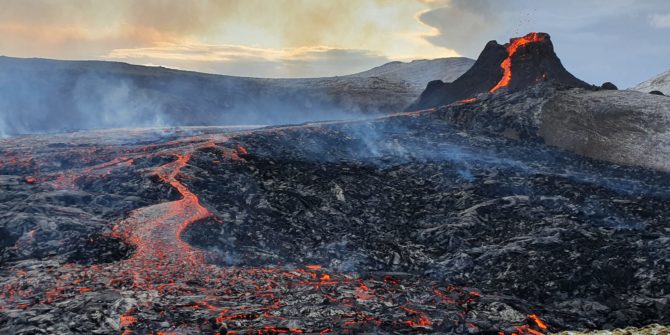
[53,96]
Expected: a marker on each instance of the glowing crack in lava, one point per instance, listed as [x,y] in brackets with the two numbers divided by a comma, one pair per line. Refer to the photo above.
[512,48]
[169,288]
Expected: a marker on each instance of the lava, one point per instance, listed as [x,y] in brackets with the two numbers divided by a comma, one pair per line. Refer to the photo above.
[230,300]
[423,320]
[512,48]
[538,321]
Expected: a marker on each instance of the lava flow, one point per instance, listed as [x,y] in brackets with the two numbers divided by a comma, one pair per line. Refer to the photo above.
[167,287]
[506,64]
[156,230]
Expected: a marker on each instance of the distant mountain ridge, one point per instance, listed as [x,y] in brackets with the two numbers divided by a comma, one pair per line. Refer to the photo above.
[42,95]
[419,72]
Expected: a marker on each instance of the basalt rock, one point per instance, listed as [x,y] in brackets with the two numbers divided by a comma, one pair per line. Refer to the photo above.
[608,86]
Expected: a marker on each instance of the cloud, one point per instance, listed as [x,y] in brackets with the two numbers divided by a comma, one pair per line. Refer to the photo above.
[243,60]
[230,31]
[660,21]
[296,37]
[462,25]
[373,24]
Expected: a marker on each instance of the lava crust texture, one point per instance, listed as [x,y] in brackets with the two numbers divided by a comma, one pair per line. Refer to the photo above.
[405,224]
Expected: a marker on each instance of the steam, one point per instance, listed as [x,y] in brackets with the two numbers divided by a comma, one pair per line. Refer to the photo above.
[388,143]
[34,105]
[52,96]
[118,104]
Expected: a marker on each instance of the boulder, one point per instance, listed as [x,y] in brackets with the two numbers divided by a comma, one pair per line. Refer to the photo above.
[609,86]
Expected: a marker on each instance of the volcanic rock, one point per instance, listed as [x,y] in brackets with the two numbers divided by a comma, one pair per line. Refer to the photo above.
[416,223]
[521,63]
[608,86]
[656,93]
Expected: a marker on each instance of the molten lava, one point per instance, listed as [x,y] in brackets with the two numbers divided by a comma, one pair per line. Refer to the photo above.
[465,101]
[235,299]
[538,321]
[512,48]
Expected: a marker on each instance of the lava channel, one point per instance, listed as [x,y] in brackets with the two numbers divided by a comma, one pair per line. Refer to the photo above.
[506,64]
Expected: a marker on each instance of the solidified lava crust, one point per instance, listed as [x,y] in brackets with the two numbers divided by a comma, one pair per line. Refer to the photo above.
[397,225]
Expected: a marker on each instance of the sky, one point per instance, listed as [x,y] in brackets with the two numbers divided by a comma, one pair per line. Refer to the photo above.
[622,41]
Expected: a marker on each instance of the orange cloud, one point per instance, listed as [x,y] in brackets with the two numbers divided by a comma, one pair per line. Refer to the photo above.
[207,31]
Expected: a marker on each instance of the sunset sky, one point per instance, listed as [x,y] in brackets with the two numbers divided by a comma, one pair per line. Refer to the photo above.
[624,41]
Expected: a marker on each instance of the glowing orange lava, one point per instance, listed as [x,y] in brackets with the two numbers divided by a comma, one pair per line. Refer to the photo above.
[512,47]
[250,299]
[423,320]
[156,230]
[538,321]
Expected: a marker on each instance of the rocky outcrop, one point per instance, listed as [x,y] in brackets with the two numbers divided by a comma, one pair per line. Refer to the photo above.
[609,86]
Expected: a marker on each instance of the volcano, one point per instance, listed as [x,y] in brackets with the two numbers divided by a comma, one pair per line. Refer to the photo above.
[521,63]
[538,207]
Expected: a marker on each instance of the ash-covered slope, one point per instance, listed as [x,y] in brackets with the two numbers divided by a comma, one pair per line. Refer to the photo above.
[38,95]
[523,62]
[659,83]
[623,127]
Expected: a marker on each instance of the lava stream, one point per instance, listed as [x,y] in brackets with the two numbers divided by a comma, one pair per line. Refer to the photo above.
[156,230]
[506,64]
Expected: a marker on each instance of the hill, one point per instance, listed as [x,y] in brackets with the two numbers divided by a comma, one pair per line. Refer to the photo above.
[41,95]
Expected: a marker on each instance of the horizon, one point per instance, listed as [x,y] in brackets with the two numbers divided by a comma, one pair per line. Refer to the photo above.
[230,75]
[312,39]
